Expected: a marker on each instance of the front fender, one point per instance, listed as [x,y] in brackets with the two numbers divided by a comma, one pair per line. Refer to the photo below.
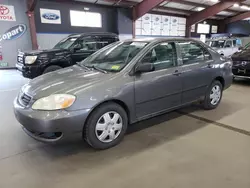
[118,89]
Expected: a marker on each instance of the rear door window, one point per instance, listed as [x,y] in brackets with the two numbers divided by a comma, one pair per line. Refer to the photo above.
[88,44]
[104,41]
[192,52]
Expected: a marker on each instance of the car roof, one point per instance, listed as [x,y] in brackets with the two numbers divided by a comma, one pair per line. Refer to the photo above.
[219,39]
[161,39]
[104,34]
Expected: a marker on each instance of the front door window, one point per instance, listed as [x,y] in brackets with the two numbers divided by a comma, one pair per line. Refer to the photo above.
[162,56]
[228,44]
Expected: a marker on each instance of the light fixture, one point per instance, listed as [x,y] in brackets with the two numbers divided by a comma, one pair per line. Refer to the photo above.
[236,5]
[86,8]
[200,8]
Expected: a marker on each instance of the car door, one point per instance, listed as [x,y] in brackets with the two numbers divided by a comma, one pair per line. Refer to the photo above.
[228,48]
[196,70]
[84,47]
[236,45]
[158,90]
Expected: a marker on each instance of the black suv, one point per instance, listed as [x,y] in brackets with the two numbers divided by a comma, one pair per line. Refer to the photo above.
[241,62]
[67,52]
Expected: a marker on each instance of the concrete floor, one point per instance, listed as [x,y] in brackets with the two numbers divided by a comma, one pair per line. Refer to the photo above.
[189,148]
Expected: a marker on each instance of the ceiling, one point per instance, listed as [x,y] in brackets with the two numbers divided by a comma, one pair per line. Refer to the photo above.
[181,7]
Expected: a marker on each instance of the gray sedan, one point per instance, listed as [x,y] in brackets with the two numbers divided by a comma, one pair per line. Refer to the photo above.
[121,84]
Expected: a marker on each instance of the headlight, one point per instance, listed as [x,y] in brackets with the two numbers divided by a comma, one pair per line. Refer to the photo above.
[54,102]
[30,59]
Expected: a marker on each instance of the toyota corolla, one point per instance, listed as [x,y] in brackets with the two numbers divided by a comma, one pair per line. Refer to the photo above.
[118,85]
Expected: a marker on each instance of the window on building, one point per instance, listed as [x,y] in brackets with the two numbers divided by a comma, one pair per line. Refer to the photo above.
[85,19]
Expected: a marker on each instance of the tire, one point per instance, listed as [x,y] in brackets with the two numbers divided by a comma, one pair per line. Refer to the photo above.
[108,133]
[51,69]
[208,102]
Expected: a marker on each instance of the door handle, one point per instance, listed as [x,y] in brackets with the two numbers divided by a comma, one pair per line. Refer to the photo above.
[177,73]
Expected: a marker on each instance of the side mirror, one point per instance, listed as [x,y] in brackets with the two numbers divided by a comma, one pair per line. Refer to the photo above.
[145,67]
[240,48]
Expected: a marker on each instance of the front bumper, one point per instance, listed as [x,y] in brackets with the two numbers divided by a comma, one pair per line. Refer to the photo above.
[50,126]
[29,71]
[241,72]
[241,68]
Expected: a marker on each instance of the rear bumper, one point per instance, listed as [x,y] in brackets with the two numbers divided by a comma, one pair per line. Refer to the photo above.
[50,126]
[29,71]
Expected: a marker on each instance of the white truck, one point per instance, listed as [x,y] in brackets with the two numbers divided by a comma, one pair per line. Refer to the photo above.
[225,46]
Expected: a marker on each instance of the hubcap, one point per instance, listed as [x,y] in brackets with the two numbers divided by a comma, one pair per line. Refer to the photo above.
[215,95]
[108,127]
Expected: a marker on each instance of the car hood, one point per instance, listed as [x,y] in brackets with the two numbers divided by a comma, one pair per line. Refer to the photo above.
[37,52]
[242,55]
[70,80]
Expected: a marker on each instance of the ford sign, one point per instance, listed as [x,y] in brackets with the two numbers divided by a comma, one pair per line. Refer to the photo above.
[50,16]
[14,32]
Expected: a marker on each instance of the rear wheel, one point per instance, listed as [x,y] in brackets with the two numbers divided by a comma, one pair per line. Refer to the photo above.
[213,95]
[106,126]
[51,68]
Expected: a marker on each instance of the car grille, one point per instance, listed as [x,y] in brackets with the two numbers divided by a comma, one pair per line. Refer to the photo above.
[20,57]
[236,62]
[24,99]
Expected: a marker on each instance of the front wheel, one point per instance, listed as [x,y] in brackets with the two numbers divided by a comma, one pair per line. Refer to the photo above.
[213,95]
[106,126]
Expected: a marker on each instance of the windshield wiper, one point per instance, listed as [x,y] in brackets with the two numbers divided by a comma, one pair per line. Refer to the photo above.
[97,68]
[82,65]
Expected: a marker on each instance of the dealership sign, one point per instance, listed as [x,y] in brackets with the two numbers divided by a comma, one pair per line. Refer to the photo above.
[14,32]
[7,13]
[50,16]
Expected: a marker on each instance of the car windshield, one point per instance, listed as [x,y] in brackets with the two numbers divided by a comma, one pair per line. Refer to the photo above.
[247,47]
[114,57]
[65,43]
[217,43]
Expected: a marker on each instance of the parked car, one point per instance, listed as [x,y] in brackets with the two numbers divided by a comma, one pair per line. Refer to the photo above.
[66,53]
[121,84]
[225,47]
[241,62]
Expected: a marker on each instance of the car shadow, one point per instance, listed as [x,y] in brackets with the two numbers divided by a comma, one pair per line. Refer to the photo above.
[225,109]
[140,137]
[242,81]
